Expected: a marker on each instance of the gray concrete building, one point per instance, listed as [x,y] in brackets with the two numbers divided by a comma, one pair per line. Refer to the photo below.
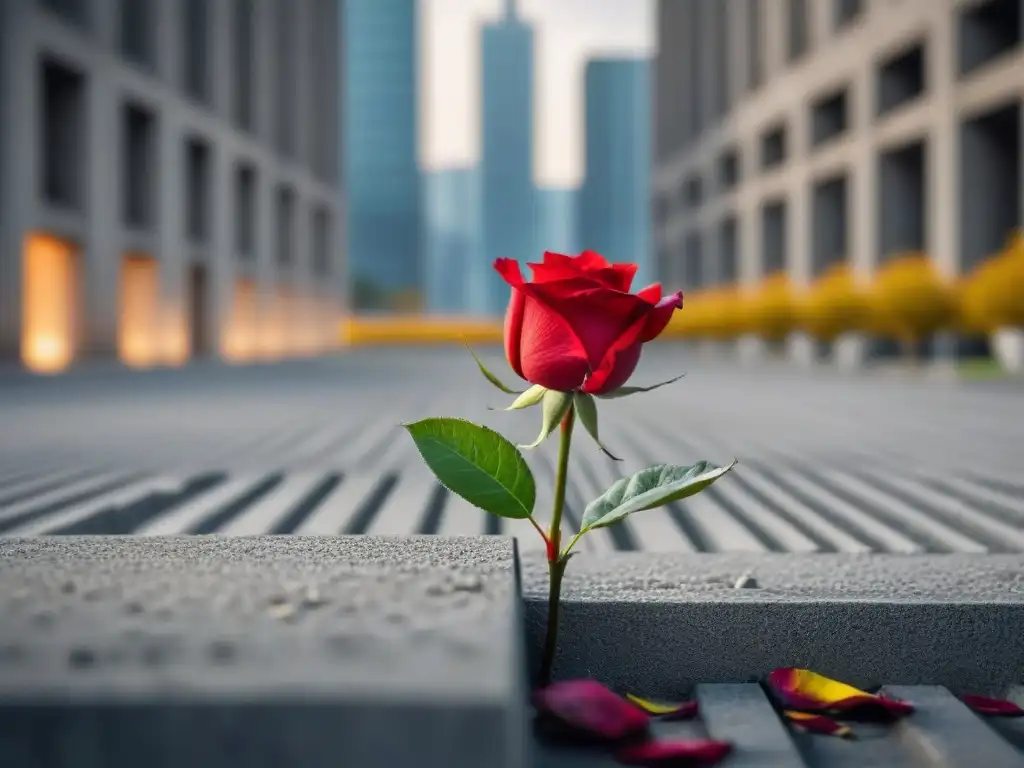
[169,179]
[791,134]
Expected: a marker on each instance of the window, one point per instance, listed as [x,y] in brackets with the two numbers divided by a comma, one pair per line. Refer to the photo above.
[829,116]
[195,20]
[845,11]
[988,30]
[285,224]
[773,147]
[197,190]
[245,202]
[321,242]
[244,34]
[63,123]
[138,32]
[74,11]
[138,202]
[901,79]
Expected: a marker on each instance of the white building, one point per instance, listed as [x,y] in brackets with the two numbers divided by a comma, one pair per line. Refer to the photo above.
[794,133]
[169,179]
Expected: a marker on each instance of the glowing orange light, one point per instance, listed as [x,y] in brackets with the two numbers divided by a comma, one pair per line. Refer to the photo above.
[137,343]
[239,342]
[49,289]
[176,346]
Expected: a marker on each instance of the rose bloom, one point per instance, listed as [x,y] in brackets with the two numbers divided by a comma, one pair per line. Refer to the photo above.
[577,326]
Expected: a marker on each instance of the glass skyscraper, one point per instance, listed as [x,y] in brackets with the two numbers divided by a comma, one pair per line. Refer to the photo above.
[380,137]
[556,220]
[614,204]
[509,200]
[455,270]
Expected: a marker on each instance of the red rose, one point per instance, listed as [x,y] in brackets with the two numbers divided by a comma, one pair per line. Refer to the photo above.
[577,326]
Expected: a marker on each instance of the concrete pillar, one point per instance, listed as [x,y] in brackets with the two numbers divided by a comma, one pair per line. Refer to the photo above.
[18,163]
[223,258]
[172,252]
[774,38]
[709,73]
[304,287]
[222,58]
[102,253]
[265,267]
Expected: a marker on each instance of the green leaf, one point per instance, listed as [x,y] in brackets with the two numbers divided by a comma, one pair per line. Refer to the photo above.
[554,406]
[478,464]
[650,488]
[529,398]
[586,409]
[626,391]
[490,376]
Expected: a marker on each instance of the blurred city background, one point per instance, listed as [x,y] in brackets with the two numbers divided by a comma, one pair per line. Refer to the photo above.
[318,189]
[830,180]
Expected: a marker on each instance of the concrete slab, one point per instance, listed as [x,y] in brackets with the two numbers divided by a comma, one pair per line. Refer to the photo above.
[658,624]
[262,651]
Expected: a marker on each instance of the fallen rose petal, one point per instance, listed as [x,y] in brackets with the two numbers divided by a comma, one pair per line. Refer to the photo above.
[985,705]
[674,752]
[806,690]
[588,706]
[680,711]
[814,723]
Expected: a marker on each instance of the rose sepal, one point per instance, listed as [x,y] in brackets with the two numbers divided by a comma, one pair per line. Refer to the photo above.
[491,377]
[627,391]
[586,409]
[554,406]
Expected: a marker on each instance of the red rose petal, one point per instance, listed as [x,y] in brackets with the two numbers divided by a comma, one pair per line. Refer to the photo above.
[674,752]
[681,711]
[809,691]
[590,707]
[818,724]
[985,705]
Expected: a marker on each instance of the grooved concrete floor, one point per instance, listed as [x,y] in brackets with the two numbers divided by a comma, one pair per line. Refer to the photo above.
[828,463]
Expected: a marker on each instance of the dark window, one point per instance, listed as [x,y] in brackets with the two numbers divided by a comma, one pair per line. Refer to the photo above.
[197,190]
[244,35]
[285,224]
[139,203]
[693,191]
[773,147]
[988,30]
[829,117]
[63,121]
[74,11]
[901,79]
[245,201]
[321,242]
[729,169]
[845,11]
[138,31]
[195,21]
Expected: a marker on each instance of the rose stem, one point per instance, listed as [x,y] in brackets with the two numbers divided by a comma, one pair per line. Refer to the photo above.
[556,563]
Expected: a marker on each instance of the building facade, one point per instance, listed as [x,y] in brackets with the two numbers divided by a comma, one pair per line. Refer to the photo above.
[456,272]
[509,199]
[614,201]
[382,175]
[169,180]
[793,134]
[557,220]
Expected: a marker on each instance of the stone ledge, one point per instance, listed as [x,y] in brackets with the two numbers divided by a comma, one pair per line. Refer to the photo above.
[662,623]
[268,651]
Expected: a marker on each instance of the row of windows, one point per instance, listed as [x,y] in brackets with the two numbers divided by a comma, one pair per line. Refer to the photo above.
[137,39]
[986,32]
[63,176]
[991,151]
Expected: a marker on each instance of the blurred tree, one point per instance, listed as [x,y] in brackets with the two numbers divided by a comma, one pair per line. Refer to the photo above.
[835,305]
[772,311]
[910,301]
[993,294]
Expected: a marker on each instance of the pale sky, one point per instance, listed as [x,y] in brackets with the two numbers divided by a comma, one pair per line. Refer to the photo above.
[566,33]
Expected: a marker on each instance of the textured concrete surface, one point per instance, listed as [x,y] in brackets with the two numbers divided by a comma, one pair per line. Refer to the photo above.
[265,651]
[827,463]
[663,623]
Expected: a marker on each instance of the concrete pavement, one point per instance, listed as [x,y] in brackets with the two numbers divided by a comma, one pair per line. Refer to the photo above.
[828,463]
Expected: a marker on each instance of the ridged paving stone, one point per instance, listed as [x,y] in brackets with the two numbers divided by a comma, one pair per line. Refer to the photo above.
[269,651]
